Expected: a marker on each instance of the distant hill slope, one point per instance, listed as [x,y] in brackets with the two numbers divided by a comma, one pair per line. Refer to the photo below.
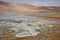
[5,6]
[4,3]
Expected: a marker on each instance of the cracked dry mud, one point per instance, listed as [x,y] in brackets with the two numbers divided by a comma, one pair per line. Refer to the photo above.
[28,26]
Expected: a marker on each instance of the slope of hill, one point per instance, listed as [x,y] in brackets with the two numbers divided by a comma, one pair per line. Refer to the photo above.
[4,6]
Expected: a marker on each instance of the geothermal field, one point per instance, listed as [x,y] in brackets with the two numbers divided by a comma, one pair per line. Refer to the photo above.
[28,22]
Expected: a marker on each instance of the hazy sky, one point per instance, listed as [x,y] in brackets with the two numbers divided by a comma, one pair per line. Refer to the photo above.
[37,2]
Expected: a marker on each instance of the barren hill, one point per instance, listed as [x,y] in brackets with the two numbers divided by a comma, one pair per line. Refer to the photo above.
[4,6]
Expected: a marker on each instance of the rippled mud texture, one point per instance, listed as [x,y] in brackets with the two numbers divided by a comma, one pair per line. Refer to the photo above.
[47,29]
[14,27]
